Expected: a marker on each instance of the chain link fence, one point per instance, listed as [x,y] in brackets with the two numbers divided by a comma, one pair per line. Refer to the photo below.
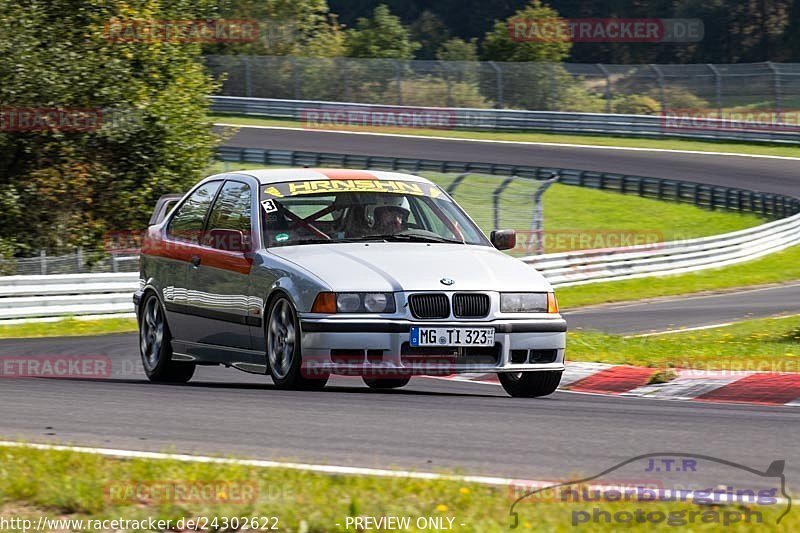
[572,87]
[77,262]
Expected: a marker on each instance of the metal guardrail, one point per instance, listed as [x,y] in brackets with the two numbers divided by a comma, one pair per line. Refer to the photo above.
[69,294]
[505,120]
[698,194]
[80,294]
[591,266]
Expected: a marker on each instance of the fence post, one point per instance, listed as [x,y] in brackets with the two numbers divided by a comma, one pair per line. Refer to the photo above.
[79,256]
[499,84]
[446,72]
[42,262]
[717,87]
[660,78]
[295,79]
[776,87]
[114,265]
[345,78]
[398,76]
[498,192]
[607,94]
[537,224]
[248,77]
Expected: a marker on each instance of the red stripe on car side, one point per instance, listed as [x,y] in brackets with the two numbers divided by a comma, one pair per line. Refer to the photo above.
[184,251]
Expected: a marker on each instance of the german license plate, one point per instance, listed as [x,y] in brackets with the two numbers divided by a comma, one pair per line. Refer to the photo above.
[452,336]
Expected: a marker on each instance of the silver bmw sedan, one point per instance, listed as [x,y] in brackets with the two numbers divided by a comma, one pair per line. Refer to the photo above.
[303,273]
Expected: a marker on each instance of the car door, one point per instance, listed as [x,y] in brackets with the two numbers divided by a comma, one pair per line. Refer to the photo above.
[220,299]
[181,238]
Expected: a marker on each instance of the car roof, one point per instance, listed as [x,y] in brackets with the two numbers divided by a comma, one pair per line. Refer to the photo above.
[277,175]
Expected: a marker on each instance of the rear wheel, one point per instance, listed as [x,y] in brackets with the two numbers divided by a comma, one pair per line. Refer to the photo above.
[283,349]
[155,345]
[386,383]
[530,384]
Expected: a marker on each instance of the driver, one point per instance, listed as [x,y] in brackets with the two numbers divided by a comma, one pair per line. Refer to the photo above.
[390,214]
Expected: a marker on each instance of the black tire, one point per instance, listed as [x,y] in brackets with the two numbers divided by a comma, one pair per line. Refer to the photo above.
[530,384]
[285,362]
[155,345]
[386,383]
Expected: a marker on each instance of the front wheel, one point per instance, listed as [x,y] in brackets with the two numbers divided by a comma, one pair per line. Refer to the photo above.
[530,384]
[283,349]
[155,346]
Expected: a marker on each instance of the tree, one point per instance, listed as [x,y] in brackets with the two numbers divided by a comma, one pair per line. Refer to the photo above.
[61,187]
[430,32]
[458,50]
[501,45]
[382,36]
[286,27]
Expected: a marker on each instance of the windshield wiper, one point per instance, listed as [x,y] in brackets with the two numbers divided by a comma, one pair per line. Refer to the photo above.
[419,238]
[332,241]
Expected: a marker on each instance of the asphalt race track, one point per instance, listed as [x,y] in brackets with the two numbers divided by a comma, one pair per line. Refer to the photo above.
[430,425]
[688,311]
[761,174]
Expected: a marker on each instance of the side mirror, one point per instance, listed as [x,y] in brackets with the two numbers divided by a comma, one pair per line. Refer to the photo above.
[503,239]
[229,240]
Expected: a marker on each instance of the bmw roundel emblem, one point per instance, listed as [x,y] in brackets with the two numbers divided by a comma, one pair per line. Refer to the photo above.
[446,281]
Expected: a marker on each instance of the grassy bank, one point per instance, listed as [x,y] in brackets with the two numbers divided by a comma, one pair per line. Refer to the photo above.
[576,215]
[530,136]
[779,267]
[67,327]
[63,484]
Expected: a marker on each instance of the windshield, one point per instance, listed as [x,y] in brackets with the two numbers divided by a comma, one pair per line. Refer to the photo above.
[330,211]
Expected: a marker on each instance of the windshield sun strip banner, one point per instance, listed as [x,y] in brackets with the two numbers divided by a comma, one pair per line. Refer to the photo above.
[299,188]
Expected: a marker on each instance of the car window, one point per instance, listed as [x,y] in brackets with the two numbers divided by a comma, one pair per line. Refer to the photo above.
[230,215]
[187,223]
[295,213]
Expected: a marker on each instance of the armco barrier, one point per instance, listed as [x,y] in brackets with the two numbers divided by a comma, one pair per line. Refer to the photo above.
[516,120]
[69,294]
[591,266]
[82,294]
[699,194]
[44,296]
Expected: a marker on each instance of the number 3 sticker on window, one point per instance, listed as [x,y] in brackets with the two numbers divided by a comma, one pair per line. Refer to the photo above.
[269,206]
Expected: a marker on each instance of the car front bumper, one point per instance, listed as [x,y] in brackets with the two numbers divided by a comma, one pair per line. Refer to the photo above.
[381,347]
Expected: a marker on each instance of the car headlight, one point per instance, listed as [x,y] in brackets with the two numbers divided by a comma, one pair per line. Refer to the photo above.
[348,302]
[354,302]
[528,302]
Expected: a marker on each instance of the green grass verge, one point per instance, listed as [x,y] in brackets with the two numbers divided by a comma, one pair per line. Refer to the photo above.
[577,217]
[62,484]
[67,328]
[528,136]
[779,267]
[769,344]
